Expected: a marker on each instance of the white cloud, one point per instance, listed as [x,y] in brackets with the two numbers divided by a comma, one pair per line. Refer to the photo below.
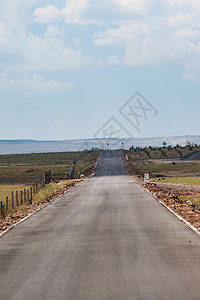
[50,53]
[137,32]
[16,12]
[73,11]
[141,46]
[180,19]
[47,52]
[113,60]
[53,31]
[120,35]
[92,11]
[47,14]
[2,33]
[130,37]
[185,4]
[187,34]
[36,83]
[141,6]
[2,28]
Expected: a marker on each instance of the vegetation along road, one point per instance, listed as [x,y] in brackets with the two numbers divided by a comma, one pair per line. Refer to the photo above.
[106,239]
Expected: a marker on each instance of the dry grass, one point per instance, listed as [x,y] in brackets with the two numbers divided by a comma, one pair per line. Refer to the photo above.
[181,180]
[6,190]
[39,198]
[192,199]
[26,168]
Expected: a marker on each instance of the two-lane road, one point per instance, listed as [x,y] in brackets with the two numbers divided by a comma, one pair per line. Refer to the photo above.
[107,239]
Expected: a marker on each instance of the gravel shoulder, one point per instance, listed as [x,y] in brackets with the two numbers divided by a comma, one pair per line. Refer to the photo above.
[169,194]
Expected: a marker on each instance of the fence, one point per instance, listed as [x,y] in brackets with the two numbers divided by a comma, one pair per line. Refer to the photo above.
[24,196]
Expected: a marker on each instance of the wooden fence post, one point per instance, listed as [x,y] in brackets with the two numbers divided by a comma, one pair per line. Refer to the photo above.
[50,176]
[7,203]
[17,198]
[2,210]
[31,189]
[38,184]
[13,205]
[21,197]
[34,189]
[24,195]
[43,183]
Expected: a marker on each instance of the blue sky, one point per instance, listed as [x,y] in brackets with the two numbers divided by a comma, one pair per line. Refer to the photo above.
[66,68]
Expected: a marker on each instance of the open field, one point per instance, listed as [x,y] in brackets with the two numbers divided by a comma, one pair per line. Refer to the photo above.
[19,172]
[38,159]
[26,168]
[6,190]
[160,169]
[28,175]
[165,152]
[179,180]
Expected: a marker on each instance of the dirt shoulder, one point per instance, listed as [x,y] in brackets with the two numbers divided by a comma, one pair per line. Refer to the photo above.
[169,194]
[182,189]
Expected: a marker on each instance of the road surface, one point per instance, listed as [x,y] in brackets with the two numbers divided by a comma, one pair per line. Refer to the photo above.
[107,239]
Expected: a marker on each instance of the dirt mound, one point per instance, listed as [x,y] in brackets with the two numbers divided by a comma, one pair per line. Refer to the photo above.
[195,155]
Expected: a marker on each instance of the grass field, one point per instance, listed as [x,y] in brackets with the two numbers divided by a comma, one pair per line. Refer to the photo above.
[19,172]
[165,152]
[26,168]
[181,169]
[6,190]
[40,159]
[38,198]
[181,180]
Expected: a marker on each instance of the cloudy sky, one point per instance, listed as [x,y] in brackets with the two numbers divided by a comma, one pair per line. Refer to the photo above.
[67,67]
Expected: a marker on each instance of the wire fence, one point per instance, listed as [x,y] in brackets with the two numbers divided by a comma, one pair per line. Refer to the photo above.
[24,196]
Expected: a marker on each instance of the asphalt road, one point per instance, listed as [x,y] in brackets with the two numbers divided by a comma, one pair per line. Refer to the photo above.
[107,239]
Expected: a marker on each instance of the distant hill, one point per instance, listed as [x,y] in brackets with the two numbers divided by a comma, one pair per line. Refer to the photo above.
[33,146]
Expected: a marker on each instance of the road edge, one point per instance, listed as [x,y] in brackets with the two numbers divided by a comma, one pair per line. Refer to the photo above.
[39,209]
[169,209]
